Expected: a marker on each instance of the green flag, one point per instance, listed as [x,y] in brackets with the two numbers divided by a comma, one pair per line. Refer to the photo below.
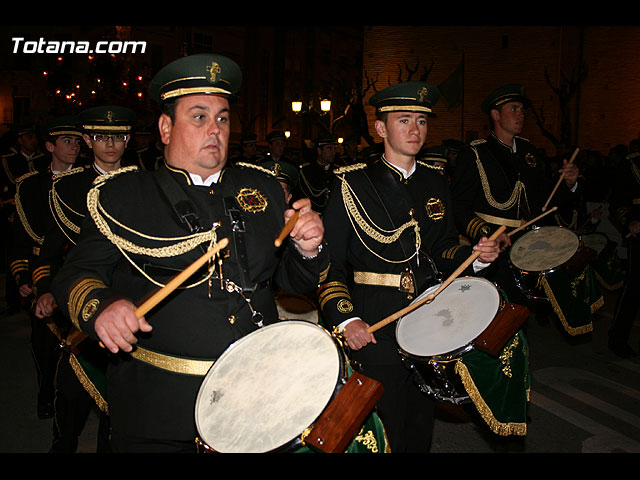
[453,87]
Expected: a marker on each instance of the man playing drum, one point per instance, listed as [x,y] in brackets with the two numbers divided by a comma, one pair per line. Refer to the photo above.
[388,226]
[145,227]
[500,181]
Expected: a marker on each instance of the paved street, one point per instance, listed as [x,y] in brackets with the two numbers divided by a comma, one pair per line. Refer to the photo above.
[584,399]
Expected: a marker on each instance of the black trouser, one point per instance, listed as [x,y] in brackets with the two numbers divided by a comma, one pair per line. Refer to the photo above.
[45,347]
[629,299]
[72,407]
[406,413]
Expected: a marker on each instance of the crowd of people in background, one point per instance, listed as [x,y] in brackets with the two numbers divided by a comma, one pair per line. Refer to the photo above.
[309,173]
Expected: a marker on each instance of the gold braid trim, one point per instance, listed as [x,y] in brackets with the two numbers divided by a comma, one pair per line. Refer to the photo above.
[556,307]
[433,167]
[314,191]
[349,168]
[20,211]
[515,195]
[375,232]
[497,427]
[572,225]
[87,384]
[56,204]
[257,167]
[183,244]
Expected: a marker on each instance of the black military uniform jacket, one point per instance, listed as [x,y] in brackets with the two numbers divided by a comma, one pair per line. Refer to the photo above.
[32,222]
[150,157]
[494,186]
[67,208]
[134,241]
[372,222]
[625,197]
[315,183]
[14,166]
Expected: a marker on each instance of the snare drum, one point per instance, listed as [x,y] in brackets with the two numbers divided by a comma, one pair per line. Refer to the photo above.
[269,387]
[541,251]
[434,335]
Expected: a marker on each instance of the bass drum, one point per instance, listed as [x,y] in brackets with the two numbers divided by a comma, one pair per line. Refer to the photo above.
[267,388]
[436,334]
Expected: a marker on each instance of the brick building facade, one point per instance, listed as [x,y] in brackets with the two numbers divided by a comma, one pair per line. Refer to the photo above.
[602,113]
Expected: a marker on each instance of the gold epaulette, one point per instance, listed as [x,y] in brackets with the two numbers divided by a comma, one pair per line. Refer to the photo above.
[26,175]
[349,168]
[256,167]
[100,179]
[478,142]
[433,167]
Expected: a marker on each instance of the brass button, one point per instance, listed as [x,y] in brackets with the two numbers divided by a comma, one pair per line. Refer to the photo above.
[232,319]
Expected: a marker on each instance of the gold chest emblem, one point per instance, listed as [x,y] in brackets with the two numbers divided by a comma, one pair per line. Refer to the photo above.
[435,209]
[530,159]
[251,200]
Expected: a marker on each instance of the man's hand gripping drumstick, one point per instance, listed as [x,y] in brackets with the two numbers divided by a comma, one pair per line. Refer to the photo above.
[117,325]
[304,226]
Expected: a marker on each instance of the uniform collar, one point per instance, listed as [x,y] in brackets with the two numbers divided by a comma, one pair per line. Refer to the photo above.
[192,178]
[501,143]
[401,172]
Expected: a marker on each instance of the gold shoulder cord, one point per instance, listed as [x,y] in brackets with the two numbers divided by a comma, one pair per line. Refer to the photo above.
[314,192]
[23,217]
[181,245]
[515,195]
[370,228]
[56,204]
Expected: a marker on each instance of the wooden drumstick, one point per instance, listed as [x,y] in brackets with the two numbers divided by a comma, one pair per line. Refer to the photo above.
[429,298]
[525,225]
[559,180]
[179,279]
[287,229]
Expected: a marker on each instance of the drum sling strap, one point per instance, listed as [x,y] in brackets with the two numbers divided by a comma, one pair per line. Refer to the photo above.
[185,210]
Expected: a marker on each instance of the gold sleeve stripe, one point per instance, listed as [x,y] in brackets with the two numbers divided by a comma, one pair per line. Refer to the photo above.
[78,294]
[40,273]
[450,253]
[331,296]
[18,266]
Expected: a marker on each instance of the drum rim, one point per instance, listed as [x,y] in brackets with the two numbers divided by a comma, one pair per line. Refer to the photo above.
[229,351]
[462,348]
[535,230]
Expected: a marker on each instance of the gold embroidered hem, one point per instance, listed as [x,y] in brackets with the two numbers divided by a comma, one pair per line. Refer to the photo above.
[571,330]
[496,426]
[88,384]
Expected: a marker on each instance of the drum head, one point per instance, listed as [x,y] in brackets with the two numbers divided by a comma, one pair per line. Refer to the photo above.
[267,388]
[544,248]
[595,241]
[456,317]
